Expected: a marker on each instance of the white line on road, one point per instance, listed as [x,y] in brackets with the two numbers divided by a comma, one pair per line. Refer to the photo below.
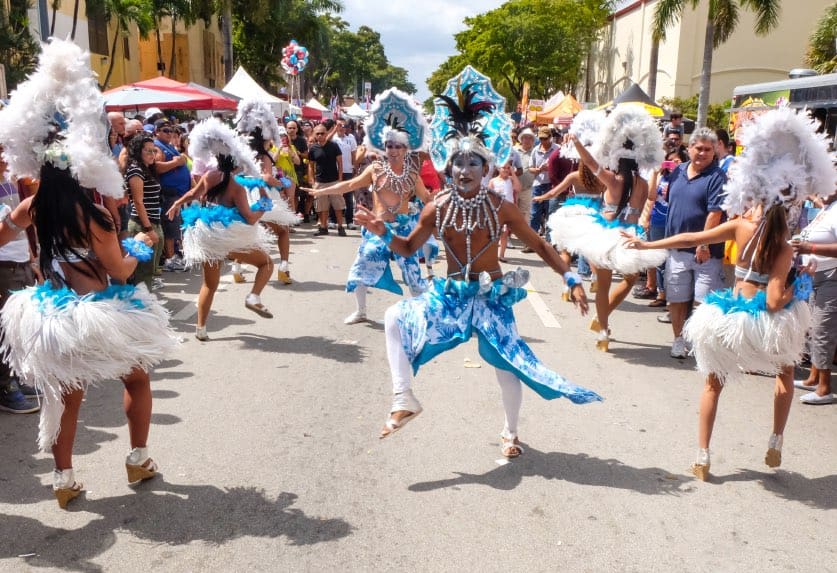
[543,312]
[186,312]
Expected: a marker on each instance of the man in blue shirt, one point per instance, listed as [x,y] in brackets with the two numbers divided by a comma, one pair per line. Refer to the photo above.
[694,204]
[175,181]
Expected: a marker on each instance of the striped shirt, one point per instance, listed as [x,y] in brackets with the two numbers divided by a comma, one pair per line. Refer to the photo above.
[150,195]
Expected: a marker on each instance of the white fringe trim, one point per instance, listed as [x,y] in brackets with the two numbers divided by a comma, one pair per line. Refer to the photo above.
[205,244]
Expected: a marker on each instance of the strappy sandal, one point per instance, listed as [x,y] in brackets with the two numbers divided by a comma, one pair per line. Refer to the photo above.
[658,303]
[510,447]
[65,487]
[403,402]
[252,302]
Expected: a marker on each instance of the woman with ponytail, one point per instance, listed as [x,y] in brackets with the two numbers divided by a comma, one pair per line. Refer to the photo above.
[225,225]
[760,324]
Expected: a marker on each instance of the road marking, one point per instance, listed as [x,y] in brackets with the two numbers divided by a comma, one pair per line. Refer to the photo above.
[186,312]
[543,312]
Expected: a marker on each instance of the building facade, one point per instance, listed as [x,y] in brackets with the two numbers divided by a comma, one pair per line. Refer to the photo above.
[623,54]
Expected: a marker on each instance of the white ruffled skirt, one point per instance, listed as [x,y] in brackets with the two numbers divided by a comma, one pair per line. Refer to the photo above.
[211,232]
[59,341]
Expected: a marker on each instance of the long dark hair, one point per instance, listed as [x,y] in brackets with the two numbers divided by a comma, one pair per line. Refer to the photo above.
[55,211]
[135,155]
[226,165]
[628,168]
[257,142]
[773,237]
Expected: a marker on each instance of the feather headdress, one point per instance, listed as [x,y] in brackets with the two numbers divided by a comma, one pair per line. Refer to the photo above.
[252,114]
[57,116]
[470,116]
[630,132]
[784,160]
[586,126]
[394,117]
[211,138]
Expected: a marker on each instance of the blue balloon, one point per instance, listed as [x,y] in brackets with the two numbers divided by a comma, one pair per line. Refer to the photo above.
[293,59]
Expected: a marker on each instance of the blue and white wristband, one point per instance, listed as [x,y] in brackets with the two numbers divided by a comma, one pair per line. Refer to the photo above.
[137,249]
[388,236]
[572,279]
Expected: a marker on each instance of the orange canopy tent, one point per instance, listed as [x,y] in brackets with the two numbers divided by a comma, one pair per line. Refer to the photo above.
[564,110]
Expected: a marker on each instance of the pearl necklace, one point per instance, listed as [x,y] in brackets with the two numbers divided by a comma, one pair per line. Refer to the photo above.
[402,185]
[465,216]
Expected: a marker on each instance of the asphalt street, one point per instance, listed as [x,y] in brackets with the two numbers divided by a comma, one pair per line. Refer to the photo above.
[267,440]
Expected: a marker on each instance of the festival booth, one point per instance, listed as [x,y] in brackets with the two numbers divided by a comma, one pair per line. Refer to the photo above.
[243,85]
[315,110]
[635,95]
[561,113]
[354,111]
[212,100]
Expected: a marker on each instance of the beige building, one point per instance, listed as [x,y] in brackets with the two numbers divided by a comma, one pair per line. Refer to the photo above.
[624,53]
[198,48]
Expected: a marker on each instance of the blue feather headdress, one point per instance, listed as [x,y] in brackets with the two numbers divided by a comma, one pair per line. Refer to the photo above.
[394,117]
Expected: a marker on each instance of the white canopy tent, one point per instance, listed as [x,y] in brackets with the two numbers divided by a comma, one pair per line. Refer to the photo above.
[354,111]
[245,87]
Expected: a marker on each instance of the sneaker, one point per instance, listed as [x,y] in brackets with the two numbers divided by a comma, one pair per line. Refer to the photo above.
[355,318]
[679,349]
[200,333]
[801,384]
[29,391]
[351,227]
[341,231]
[332,225]
[664,318]
[13,401]
[817,400]
[322,231]
[157,284]
[172,265]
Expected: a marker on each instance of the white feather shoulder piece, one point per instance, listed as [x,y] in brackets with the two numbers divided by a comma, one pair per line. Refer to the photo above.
[253,113]
[210,138]
[630,132]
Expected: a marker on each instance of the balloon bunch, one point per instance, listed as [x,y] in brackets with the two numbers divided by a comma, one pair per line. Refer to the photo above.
[294,58]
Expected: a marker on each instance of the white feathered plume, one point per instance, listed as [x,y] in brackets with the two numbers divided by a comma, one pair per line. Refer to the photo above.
[632,126]
[253,113]
[586,126]
[782,151]
[210,138]
[63,83]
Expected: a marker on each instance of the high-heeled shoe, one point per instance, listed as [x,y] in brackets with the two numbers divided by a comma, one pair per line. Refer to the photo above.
[603,341]
[566,296]
[700,468]
[594,324]
[773,458]
[140,467]
[238,273]
[65,487]
[594,286]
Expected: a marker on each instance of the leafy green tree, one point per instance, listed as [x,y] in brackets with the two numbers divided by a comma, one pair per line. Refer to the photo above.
[126,13]
[821,54]
[717,116]
[544,42]
[721,22]
[18,48]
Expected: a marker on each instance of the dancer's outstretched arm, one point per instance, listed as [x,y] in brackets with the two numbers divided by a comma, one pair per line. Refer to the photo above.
[719,234]
[347,186]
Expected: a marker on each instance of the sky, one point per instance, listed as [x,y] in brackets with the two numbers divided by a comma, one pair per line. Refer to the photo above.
[418,34]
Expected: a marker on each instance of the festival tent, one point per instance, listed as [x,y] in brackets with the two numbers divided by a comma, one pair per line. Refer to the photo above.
[354,111]
[133,98]
[208,99]
[315,110]
[243,85]
[635,95]
[562,112]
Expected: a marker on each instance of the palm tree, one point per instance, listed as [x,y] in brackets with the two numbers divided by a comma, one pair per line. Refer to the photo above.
[720,25]
[126,13]
[821,54]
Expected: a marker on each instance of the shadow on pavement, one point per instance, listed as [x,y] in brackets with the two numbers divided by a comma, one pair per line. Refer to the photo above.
[575,468]
[651,355]
[160,512]
[318,346]
[814,492]
[308,286]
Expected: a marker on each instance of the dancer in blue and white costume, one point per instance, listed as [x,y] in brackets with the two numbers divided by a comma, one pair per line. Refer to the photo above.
[475,299]
[226,226]
[76,329]
[628,142]
[760,324]
[397,131]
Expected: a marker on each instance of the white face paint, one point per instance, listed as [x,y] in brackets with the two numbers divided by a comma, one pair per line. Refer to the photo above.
[467,171]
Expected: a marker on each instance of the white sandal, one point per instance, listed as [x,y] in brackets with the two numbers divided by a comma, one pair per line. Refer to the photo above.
[507,443]
[402,402]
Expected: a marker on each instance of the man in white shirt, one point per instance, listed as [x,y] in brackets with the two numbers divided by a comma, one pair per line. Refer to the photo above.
[348,145]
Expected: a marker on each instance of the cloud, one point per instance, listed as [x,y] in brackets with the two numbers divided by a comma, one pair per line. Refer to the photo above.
[418,35]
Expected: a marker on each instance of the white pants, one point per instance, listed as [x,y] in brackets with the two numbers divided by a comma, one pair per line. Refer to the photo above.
[401,370]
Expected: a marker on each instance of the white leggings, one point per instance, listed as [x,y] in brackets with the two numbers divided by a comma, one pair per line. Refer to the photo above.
[360,298]
[401,370]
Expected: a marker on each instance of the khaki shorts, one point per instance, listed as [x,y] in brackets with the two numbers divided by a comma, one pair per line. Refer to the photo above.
[323,203]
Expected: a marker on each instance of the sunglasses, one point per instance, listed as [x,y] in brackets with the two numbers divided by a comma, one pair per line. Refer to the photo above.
[395,146]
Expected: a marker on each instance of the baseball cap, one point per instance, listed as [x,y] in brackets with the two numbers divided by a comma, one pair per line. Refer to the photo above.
[161,123]
[544,131]
[526,131]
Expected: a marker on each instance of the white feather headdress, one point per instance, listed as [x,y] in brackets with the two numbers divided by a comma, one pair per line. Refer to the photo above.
[57,115]
[211,138]
[784,160]
[630,132]
[253,113]
[586,126]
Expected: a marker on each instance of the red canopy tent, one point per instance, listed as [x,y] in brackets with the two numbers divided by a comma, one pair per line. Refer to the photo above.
[131,97]
[208,98]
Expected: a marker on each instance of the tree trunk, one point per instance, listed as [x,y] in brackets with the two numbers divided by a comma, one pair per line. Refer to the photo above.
[706,71]
[75,20]
[160,65]
[55,4]
[652,69]
[112,58]
[226,32]
[173,64]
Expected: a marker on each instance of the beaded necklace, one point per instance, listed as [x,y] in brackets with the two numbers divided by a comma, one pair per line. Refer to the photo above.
[477,212]
[402,185]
